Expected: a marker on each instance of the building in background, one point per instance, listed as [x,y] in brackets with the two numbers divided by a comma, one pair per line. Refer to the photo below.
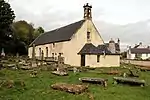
[138,52]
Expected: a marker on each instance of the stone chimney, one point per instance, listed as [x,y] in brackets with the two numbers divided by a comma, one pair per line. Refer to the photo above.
[140,43]
[111,46]
[118,41]
[87,11]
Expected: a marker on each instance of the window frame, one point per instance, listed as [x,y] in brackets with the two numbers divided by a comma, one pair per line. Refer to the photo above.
[88,35]
[46,51]
[98,58]
[40,52]
[53,45]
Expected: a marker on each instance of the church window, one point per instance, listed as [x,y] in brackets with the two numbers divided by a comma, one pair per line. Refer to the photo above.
[40,52]
[46,51]
[98,57]
[88,35]
[53,45]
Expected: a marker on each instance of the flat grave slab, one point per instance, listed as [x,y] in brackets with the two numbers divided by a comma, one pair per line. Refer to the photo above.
[130,81]
[94,80]
[59,73]
[71,88]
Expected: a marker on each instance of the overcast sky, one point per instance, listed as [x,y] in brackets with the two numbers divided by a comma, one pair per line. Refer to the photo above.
[51,14]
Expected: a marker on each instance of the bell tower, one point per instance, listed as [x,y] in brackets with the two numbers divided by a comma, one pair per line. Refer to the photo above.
[87,11]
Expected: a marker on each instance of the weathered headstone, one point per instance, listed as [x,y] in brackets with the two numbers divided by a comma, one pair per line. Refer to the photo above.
[42,57]
[33,63]
[33,52]
[2,52]
[17,55]
[75,70]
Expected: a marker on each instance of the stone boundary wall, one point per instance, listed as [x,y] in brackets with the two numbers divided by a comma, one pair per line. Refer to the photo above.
[136,62]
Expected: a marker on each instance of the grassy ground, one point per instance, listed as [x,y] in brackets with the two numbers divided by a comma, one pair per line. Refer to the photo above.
[39,88]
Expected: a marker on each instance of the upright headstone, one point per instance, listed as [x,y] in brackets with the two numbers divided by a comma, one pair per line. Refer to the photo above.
[33,52]
[2,53]
[17,54]
[42,57]
[60,68]
[33,57]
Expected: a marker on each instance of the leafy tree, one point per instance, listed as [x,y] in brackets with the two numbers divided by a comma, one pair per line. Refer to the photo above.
[41,30]
[6,19]
[26,32]
[37,32]
[23,31]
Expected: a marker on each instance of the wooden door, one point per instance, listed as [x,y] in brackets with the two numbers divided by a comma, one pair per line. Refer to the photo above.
[82,60]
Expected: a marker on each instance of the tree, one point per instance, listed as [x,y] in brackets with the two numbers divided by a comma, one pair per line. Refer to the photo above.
[23,31]
[26,32]
[6,19]
[41,30]
[37,32]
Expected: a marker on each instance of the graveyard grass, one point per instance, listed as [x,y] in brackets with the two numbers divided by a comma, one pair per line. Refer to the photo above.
[38,88]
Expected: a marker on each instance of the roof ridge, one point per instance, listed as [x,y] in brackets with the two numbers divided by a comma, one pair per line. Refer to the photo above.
[63,26]
[63,33]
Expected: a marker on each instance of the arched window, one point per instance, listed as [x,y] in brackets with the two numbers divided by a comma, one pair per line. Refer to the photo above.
[88,35]
[46,51]
[53,45]
[40,52]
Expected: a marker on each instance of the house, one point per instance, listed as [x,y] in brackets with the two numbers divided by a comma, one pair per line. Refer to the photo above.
[79,43]
[138,52]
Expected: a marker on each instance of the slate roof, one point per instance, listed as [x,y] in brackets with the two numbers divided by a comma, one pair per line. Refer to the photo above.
[58,35]
[140,50]
[136,46]
[89,48]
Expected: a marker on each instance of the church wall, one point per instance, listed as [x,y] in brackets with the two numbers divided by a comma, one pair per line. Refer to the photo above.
[71,48]
[53,48]
[104,61]
[78,41]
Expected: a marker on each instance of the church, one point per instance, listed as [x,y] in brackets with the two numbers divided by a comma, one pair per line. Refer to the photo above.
[79,43]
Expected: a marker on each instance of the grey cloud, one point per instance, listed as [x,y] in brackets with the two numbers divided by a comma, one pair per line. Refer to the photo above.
[130,34]
[50,19]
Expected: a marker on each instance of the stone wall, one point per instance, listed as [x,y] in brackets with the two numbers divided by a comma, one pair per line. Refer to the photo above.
[137,62]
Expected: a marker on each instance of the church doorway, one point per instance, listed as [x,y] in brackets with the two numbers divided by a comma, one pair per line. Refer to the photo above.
[82,60]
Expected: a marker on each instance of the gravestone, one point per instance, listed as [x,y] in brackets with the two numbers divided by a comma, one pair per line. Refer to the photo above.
[130,81]
[33,52]
[71,88]
[42,57]
[94,80]
[2,53]
[61,71]
[33,62]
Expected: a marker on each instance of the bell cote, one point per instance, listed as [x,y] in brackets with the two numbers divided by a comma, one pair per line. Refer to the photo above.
[87,11]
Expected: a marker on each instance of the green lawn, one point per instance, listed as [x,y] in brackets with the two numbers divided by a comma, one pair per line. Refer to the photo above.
[39,88]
